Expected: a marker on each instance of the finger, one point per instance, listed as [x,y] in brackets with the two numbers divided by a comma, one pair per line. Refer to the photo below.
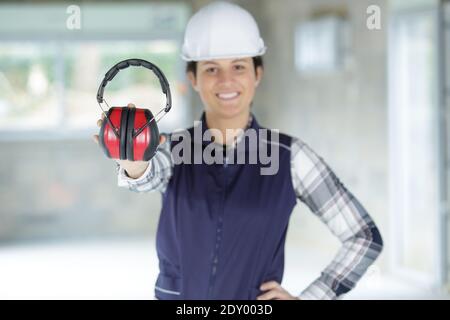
[272,294]
[162,139]
[131,105]
[103,115]
[99,122]
[95,138]
[269,285]
[121,162]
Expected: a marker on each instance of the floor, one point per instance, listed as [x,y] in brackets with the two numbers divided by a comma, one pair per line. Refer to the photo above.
[127,269]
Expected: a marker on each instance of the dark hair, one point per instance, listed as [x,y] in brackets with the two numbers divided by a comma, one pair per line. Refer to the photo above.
[192,65]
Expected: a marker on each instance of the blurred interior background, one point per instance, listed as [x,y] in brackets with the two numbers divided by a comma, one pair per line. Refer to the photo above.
[364,83]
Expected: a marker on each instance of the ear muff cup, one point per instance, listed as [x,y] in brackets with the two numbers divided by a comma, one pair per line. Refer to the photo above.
[109,142]
[142,147]
[127,146]
[101,135]
[154,137]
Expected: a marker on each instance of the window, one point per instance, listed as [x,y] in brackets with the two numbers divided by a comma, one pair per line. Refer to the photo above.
[414,146]
[319,44]
[28,87]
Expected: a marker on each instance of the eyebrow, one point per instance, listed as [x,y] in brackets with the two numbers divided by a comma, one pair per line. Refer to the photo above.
[214,63]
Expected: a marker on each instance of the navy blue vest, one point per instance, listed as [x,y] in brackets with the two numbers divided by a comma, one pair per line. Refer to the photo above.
[222,228]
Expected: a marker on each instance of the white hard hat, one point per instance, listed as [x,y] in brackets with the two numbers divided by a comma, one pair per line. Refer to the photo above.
[221,30]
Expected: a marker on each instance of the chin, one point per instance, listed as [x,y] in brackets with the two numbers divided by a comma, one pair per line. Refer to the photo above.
[230,111]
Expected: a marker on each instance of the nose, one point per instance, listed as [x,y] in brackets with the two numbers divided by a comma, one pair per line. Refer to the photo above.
[225,77]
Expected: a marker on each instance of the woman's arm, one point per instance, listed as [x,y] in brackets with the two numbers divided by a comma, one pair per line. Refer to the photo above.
[318,187]
[155,177]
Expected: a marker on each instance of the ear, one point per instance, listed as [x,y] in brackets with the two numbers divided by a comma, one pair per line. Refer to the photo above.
[192,80]
[259,75]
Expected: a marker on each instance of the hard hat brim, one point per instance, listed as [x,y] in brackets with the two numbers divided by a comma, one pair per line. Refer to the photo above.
[261,52]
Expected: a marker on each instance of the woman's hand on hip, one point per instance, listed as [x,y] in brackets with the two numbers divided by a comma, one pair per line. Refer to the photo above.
[274,291]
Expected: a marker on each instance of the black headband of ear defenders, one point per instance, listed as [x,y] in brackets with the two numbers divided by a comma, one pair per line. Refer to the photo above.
[136,62]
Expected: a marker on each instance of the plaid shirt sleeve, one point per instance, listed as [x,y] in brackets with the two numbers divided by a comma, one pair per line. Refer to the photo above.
[157,175]
[318,187]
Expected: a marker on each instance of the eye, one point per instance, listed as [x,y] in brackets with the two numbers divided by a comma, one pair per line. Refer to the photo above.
[239,67]
[211,70]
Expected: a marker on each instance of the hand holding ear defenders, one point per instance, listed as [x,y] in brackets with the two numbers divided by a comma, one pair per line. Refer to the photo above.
[131,133]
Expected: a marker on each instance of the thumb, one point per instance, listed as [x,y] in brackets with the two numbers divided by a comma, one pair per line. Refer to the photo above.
[95,138]
[162,139]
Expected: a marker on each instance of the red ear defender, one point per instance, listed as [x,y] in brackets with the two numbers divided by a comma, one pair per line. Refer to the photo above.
[131,133]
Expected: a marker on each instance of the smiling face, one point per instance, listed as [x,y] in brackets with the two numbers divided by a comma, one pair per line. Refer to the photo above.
[226,86]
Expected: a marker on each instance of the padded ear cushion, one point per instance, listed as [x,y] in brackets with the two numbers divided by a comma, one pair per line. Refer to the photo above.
[130,132]
[102,134]
[109,141]
[154,137]
[123,133]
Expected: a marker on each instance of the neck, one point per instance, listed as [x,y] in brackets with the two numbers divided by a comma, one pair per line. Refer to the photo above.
[224,124]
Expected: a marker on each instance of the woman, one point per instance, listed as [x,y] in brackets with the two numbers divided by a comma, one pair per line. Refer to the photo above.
[222,227]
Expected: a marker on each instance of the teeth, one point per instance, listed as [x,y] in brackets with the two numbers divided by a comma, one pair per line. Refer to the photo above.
[230,95]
